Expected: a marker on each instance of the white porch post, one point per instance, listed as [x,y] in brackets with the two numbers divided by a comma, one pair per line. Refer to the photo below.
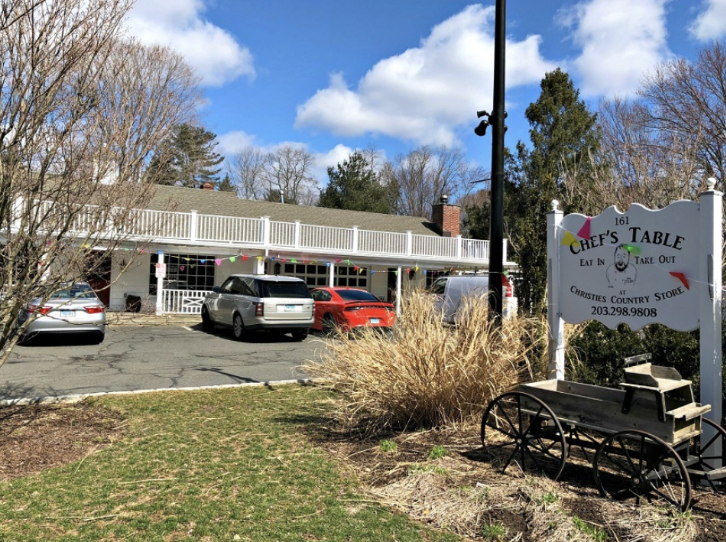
[296,234]
[556,342]
[160,288]
[258,268]
[193,225]
[265,230]
[398,290]
[354,247]
[331,275]
[710,309]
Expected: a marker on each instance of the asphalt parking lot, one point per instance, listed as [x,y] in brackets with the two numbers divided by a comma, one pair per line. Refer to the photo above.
[151,357]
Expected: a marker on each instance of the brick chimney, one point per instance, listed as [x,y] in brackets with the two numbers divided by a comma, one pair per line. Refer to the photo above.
[446,217]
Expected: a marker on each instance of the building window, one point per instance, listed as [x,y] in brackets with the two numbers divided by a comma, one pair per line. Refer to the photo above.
[316,275]
[184,272]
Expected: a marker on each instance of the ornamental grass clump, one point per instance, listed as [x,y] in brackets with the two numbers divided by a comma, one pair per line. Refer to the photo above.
[427,373]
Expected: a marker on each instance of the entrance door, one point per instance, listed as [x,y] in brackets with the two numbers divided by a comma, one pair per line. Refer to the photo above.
[98,275]
[391,290]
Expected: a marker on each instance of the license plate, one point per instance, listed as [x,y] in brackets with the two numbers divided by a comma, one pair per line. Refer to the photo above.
[67,314]
[375,320]
[292,308]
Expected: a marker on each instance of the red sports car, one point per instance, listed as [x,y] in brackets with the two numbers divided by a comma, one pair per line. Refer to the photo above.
[349,308]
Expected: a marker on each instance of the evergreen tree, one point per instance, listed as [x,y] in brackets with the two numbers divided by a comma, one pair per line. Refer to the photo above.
[353,185]
[188,158]
[562,133]
[225,185]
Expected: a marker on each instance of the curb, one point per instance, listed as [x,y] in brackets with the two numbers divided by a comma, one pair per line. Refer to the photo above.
[75,398]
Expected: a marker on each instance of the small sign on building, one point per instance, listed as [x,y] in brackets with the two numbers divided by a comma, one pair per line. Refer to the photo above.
[160,270]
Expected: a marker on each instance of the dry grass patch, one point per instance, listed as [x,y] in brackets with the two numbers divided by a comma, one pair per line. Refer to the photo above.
[428,373]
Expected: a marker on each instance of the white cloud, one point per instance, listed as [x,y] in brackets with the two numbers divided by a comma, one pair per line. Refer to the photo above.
[211,51]
[332,158]
[232,142]
[620,41]
[424,93]
[711,22]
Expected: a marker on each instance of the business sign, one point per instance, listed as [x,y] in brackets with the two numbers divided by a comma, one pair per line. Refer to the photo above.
[635,268]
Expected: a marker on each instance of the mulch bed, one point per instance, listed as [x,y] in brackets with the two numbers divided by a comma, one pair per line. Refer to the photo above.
[37,437]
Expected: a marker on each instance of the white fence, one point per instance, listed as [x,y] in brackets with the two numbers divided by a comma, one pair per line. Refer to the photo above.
[183,301]
[211,230]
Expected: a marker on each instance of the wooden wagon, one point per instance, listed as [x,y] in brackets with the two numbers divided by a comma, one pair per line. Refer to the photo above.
[644,440]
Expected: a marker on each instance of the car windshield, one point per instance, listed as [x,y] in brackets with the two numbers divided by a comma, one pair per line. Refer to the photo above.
[75,291]
[285,289]
[356,295]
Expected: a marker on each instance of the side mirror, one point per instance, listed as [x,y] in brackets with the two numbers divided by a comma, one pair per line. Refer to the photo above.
[215,289]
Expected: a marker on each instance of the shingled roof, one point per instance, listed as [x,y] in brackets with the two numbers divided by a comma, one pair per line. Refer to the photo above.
[212,202]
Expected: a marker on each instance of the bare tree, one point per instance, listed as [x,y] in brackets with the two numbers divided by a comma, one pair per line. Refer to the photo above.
[638,161]
[422,176]
[688,100]
[287,176]
[247,170]
[81,111]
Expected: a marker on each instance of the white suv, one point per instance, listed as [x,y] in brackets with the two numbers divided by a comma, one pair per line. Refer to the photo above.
[260,302]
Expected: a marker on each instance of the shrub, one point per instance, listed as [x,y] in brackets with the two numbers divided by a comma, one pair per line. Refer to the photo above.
[427,373]
[596,354]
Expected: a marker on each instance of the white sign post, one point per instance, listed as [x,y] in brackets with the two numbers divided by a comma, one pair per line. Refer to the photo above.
[160,276]
[641,267]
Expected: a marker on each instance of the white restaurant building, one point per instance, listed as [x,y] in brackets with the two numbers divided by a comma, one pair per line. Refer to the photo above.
[213,234]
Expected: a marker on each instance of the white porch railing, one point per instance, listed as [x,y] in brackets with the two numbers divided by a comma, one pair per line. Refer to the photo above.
[183,301]
[263,233]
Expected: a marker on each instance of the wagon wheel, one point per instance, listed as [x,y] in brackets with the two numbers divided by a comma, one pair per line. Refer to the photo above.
[635,464]
[708,456]
[518,428]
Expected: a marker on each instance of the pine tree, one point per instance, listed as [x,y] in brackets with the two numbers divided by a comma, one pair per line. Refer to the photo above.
[562,132]
[225,185]
[188,158]
[353,185]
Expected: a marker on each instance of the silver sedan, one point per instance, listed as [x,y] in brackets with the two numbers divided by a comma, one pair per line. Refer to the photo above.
[75,308]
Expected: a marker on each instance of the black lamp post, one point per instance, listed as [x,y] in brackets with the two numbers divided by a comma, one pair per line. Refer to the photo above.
[496,121]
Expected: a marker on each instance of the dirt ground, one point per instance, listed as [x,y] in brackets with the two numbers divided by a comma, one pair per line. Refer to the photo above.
[38,437]
[437,477]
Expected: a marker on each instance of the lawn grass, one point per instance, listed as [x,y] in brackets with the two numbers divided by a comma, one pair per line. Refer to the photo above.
[233,464]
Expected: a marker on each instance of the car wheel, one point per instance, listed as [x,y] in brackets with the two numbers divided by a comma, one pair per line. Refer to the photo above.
[238,327]
[328,324]
[207,324]
[299,335]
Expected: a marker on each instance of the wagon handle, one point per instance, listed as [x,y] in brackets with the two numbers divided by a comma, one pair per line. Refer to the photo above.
[640,358]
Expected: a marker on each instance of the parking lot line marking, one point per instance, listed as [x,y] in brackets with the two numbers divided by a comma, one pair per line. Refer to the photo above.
[187,328]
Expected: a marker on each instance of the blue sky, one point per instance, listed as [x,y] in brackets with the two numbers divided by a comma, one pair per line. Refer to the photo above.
[337,75]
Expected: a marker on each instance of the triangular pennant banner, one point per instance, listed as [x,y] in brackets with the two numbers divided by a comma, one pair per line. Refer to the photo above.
[682,278]
[218,261]
[584,232]
[569,239]
[232,259]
